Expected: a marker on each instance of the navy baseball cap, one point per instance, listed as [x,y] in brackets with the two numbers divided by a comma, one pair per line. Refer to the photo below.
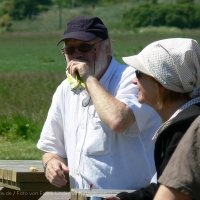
[85,28]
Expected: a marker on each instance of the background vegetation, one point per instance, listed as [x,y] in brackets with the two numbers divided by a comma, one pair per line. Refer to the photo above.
[184,15]
[31,66]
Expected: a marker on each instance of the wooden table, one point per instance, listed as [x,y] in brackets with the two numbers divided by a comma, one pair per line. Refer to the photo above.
[84,194]
[24,179]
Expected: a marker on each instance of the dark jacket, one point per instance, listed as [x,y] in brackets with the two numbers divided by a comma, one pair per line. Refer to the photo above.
[167,141]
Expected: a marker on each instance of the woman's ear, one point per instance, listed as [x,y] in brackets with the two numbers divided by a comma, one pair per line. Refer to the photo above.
[160,91]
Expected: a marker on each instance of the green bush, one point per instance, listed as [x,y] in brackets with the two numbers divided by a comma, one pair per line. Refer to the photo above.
[18,128]
[20,9]
[5,23]
[185,15]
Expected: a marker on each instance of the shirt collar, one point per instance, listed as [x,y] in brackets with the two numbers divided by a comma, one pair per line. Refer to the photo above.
[165,124]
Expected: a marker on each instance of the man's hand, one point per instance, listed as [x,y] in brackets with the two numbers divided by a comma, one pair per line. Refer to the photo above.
[80,67]
[55,172]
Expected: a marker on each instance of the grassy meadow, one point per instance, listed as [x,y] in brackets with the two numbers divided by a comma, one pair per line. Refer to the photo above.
[31,67]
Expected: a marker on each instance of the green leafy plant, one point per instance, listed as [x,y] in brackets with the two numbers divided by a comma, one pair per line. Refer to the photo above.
[5,23]
[179,15]
[18,128]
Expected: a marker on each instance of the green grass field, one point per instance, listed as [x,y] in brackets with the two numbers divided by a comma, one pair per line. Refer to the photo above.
[31,67]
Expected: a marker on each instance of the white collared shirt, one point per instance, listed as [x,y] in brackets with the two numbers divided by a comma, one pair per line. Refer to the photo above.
[97,155]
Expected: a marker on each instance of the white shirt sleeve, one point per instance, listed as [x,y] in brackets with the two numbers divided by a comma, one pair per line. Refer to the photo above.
[52,136]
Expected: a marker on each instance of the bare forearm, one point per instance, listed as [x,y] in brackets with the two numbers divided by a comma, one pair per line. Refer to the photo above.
[112,112]
[166,193]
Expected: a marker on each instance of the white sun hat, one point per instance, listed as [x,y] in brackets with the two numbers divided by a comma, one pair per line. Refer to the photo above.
[174,62]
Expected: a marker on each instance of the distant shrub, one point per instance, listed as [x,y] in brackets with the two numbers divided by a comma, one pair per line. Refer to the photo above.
[21,9]
[18,128]
[5,23]
[183,15]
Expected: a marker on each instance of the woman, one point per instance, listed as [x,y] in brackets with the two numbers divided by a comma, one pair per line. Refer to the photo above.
[168,77]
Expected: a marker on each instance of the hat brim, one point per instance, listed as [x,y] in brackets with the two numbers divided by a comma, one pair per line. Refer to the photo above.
[134,62]
[80,35]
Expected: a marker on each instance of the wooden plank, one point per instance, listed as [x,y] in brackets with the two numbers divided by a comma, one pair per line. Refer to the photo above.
[37,186]
[42,187]
[30,177]
[9,175]
[10,186]
[33,177]
[16,175]
[13,178]
[21,165]
[23,176]
[5,176]
[1,174]
[84,194]
[73,195]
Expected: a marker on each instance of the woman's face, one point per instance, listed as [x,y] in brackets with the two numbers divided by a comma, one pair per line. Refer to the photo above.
[148,89]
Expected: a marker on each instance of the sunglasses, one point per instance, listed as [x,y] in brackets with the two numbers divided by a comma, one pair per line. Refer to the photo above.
[138,74]
[83,48]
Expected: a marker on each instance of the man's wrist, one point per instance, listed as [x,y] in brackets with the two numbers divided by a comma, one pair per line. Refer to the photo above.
[46,163]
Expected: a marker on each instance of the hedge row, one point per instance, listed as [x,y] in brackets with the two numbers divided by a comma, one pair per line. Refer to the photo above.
[177,15]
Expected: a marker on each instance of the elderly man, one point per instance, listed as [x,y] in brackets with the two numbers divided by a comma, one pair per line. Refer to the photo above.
[100,135]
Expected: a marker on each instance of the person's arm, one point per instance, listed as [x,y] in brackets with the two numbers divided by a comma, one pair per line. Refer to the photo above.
[55,169]
[167,193]
[146,193]
[114,113]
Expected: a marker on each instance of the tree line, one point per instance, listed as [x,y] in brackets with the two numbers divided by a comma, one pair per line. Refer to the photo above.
[182,14]
[179,13]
